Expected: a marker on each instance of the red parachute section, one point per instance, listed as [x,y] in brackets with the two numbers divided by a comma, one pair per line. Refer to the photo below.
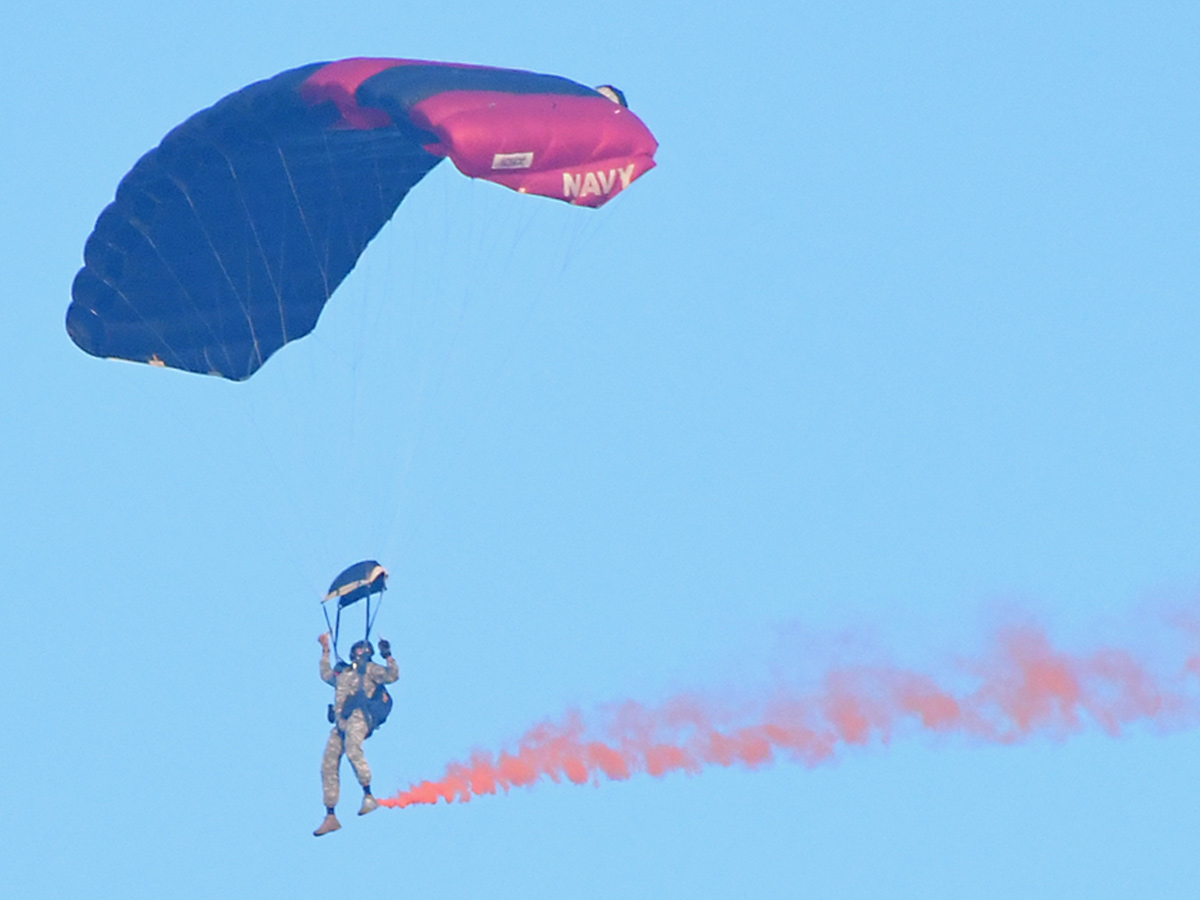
[581,148]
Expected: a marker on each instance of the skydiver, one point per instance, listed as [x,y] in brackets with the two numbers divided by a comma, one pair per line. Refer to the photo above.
[349,733]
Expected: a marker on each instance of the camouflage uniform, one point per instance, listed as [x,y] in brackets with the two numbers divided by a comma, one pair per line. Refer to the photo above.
[348,735]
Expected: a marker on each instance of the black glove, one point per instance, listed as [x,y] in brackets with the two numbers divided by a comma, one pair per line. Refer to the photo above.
[385,649]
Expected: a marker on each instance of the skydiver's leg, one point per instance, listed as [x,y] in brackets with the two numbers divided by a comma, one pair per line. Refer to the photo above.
[356,733]
[330,763]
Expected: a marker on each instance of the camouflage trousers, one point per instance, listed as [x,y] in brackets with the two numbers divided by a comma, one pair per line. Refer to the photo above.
[355,731]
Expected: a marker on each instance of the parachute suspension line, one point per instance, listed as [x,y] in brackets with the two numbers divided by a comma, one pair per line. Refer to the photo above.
[518,218]
[329,626]
[371,618]
[441,371]
[367,636]
[584,233]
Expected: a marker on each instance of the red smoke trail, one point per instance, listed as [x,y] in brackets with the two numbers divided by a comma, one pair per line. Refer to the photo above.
[1024,687]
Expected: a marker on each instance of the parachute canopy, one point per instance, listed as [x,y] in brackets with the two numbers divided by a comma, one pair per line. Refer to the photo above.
[225,241]
[358,581]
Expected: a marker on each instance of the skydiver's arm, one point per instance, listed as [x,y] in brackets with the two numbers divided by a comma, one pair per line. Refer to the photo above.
[328,675]
[388,675]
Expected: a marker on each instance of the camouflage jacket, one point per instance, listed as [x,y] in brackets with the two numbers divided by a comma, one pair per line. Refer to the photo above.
[346,682]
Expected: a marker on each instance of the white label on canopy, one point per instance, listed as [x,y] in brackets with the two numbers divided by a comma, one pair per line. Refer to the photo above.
[512,160]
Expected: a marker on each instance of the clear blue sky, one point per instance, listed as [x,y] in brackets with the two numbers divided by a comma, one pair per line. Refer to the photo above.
[902,329]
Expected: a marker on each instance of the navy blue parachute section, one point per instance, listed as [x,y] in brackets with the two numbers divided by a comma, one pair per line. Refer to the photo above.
[225,241]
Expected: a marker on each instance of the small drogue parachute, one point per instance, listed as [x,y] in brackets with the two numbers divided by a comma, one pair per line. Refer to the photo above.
[225,241]
[359,582]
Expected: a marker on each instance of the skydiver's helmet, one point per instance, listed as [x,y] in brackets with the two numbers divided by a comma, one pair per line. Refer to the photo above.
[362,651]
[616,95]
